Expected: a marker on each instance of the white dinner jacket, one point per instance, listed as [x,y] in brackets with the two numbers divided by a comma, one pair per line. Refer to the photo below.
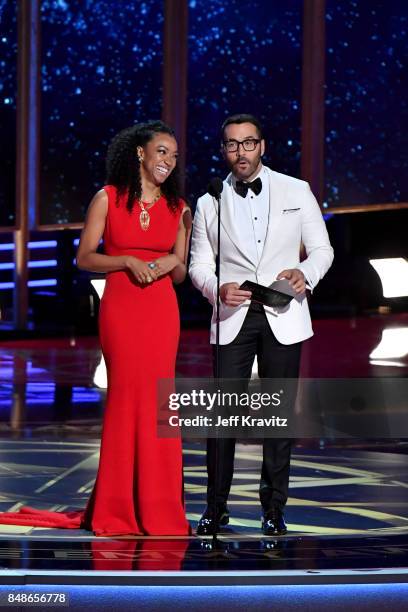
[294,216]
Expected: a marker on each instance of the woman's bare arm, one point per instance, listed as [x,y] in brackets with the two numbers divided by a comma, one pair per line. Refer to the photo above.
[181,247]
[87,256]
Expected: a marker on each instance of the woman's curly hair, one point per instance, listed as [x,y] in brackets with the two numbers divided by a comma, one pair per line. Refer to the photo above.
[123,168]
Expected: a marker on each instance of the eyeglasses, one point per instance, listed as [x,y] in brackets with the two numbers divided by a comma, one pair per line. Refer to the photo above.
[249,144]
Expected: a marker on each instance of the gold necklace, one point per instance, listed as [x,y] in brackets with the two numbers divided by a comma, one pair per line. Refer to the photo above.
[144,217]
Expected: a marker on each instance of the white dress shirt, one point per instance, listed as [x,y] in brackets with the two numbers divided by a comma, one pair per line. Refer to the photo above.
[251,215]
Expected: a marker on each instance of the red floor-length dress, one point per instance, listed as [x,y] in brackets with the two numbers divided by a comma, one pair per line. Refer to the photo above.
[139,485]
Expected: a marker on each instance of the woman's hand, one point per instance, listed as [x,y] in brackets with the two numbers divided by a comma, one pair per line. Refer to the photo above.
[140,270]
[165,264]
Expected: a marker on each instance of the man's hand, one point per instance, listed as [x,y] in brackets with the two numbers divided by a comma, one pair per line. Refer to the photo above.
[232,295]
[296,279]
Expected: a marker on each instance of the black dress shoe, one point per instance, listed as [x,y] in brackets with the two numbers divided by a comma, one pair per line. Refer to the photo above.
[208,524]
[273,523]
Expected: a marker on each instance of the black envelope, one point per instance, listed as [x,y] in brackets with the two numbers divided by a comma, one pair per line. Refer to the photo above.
[278,295]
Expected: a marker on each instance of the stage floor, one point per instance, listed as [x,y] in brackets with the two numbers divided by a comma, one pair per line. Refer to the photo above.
[347,513]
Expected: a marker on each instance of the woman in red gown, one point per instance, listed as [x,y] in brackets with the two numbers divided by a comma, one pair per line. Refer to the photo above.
[145,229]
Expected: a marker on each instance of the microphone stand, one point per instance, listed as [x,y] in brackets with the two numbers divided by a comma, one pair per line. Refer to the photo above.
[215,188]
[217,357]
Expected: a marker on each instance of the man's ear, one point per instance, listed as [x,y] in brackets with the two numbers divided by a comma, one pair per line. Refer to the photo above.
[262,146]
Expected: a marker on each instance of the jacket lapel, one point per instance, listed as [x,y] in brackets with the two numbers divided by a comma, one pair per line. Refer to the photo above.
[227,219]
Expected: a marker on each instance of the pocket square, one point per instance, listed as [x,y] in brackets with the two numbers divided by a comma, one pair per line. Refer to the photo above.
[285,211]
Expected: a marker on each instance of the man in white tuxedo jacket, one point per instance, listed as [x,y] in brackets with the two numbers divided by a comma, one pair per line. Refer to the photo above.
[265,216]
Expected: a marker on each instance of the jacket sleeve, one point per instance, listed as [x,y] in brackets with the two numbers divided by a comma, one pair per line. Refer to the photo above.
[316,240]
[202,260]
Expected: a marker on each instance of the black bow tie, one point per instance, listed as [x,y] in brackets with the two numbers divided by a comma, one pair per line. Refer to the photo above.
[242,188]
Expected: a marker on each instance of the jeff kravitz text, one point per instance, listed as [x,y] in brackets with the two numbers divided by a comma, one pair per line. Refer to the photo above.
[231,421]
[219,401]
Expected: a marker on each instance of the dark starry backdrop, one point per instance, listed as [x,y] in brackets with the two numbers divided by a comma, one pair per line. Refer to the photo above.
[8,88]
[244,56]
[101,72]
[366,102]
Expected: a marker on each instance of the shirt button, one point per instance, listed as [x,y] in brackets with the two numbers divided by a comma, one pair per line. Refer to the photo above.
[259,241]
[256,218]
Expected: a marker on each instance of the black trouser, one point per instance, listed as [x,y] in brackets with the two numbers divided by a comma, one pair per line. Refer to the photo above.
[275,360]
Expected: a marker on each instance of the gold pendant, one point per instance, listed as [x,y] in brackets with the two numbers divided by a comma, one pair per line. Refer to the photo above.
[144,220]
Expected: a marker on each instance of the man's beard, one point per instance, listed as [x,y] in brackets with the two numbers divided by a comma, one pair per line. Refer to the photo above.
[248,170]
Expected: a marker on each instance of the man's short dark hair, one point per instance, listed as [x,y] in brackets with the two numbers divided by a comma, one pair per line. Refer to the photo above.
[242,118]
